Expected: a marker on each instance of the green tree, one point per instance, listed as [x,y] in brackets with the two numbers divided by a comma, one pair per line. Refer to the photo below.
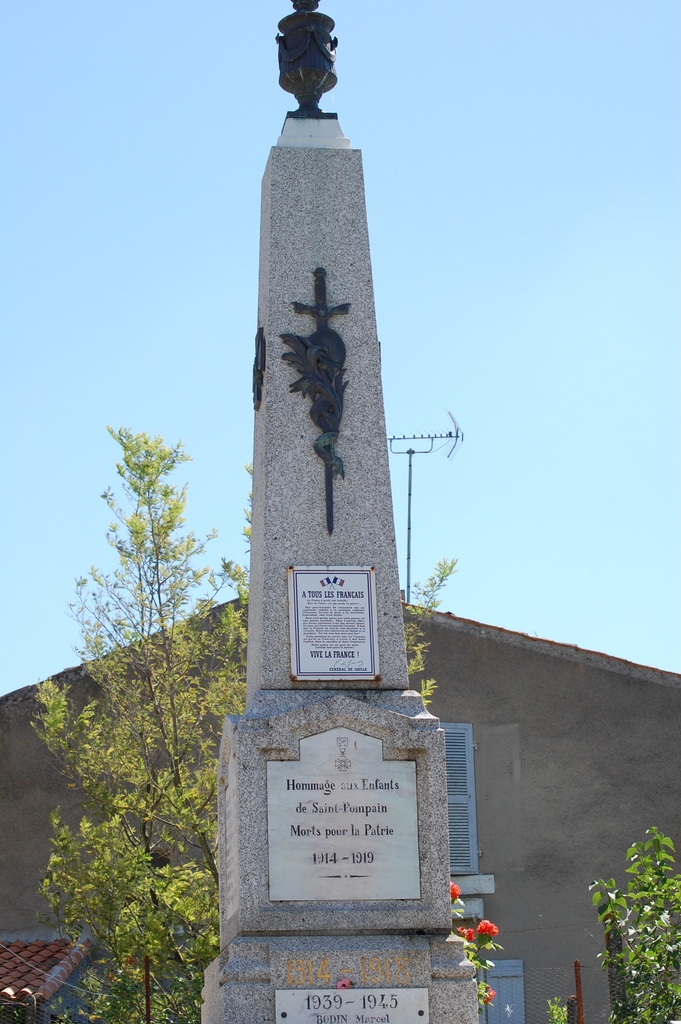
[643,934]
[427,600]
[140,870]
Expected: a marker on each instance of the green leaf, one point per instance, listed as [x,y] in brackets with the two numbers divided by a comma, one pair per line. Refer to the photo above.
[648,917]
[143,752]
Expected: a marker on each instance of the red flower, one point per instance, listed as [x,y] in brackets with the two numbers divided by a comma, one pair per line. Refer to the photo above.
[466,933]
[344,983]
[490,995]
[487,928]
[454,891]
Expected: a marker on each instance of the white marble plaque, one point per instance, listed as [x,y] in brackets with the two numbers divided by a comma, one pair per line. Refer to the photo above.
[352,1006]
[332,618]
[342,823]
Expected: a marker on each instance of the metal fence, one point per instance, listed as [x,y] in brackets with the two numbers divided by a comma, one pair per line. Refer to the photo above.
[12,1014]
[31,1013]
[544,984]
[522,995]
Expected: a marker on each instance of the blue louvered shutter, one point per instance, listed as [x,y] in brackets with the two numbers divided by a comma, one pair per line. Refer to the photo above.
[506,978]
[463,833]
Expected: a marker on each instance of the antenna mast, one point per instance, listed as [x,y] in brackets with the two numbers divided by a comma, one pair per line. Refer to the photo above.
[425,447]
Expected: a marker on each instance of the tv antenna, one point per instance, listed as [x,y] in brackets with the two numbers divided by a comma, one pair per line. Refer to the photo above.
[426,444]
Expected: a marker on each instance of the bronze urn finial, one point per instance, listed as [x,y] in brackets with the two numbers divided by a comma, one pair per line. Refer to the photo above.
[307,54]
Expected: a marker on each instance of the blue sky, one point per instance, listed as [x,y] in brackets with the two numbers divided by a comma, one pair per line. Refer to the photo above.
[523,190]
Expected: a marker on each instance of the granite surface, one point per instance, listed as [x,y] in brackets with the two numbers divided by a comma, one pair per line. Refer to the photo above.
[248,744]
[242,982]
[313,215]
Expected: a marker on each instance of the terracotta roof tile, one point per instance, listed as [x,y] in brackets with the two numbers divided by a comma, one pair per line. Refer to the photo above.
[38,968]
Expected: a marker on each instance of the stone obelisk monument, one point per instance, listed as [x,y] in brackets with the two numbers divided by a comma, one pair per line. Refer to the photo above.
[334,868]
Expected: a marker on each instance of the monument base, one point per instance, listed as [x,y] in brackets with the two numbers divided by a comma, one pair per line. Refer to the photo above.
[333,817]
[331,979]
[334,869]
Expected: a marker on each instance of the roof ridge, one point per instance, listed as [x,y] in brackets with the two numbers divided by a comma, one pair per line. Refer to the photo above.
[61,971]
[557,648]
[70,955]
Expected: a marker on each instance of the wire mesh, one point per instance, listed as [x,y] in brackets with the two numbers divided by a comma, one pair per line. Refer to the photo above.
[525,998]
[519,1000]
[38,1013]
[542,984]
[12,1014]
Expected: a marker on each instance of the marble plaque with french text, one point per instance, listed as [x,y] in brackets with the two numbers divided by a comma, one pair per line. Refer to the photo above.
[352,1006]
[332,618]
[342,823]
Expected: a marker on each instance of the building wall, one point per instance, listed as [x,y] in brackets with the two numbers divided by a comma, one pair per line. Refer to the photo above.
[30,788]
[577,755]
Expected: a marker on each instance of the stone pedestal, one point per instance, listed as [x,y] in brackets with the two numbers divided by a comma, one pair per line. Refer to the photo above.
[251,969]
[386,946]
[334,865]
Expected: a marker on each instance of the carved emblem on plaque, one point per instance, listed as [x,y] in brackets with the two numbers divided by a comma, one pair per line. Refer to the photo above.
[343,762]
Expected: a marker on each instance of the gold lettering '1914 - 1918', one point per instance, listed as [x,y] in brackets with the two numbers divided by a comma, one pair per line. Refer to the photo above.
[373,970]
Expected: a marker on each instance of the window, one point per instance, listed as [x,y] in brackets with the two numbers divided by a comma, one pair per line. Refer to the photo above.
[463,832]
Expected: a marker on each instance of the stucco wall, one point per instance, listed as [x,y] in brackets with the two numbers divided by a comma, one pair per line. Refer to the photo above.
[578,754]
[30,788]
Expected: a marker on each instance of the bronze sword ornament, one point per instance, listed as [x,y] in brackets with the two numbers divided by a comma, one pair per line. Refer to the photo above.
[319,360]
